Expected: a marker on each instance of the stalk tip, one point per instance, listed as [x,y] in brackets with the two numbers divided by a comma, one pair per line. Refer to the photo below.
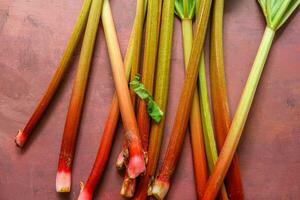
[159,189]
[136,166]
[128,187]
[63,181]
[20,139]
[85,195]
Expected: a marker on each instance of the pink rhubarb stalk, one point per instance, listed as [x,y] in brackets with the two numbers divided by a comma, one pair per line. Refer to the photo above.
[63,177]
[136,164]
[113,117]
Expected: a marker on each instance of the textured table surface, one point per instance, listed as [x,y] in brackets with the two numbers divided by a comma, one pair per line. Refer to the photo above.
[33,35]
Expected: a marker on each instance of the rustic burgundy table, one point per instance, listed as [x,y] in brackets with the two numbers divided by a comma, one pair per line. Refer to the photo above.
[33,35]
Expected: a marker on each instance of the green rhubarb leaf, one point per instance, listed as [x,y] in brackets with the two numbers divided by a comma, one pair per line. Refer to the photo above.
[185,9]
[289,12]
[152,108]
[277,12]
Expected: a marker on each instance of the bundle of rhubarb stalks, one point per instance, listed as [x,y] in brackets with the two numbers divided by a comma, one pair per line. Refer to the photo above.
[141,97]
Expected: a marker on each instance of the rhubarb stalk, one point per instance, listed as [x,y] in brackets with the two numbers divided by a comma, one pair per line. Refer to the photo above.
[185,10]
[160,96]
[149,64]
[136,164]
[209,137]
[140,15]
[63,178]
[112,120]
[276,14]
[220,100]
[161,184]
[129,183]
[122,159]
[63,66]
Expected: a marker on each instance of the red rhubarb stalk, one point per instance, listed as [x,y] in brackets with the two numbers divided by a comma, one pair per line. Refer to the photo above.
[185,11]
[129,183]
[63,178]
[122,159]
[162,182]
[63,66]
[220,100]
[113,117]
[160,96]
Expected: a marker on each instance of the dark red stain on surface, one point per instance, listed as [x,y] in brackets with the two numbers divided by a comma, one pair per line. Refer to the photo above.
[33,35]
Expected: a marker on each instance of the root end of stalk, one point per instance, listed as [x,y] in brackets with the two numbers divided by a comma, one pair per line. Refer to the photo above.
[85,195]
[136,166]
[159,189]
[63,181]
[128,187]
[20,139]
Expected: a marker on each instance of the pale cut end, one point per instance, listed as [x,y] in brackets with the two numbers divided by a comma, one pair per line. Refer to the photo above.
[136,166]
[63,181]
[128,188]
[159,189]
[85,195]
[122,159]
[20,139]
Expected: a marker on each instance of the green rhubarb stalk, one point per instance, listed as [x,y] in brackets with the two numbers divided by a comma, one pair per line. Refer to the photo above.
[149,64]
[276,14]
[209,138]
[63,177]
[161,184]
[220,106]
[63,66]
[160,96]
[140,15]
[185,10]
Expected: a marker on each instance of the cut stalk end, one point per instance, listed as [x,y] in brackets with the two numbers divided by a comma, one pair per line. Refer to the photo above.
[159,189]
[85,195]
[128,187]
[63,181]
[20,139]
[122,159]
[136,166]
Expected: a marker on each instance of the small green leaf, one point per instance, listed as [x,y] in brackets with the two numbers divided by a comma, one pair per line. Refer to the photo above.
[152,108]
[154,111]
[185,9]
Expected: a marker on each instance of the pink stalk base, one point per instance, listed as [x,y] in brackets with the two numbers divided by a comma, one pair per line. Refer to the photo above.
[136,166]
[63,181]
[159,189]
[128,187]
[20,139]
[85,195]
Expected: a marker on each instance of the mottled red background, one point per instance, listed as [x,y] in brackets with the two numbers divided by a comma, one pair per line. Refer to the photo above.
[33,35]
